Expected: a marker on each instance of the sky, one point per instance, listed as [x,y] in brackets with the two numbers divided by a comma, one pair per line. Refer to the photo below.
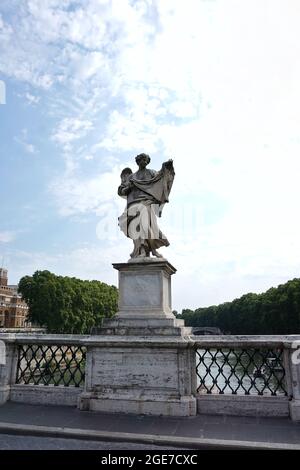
[86,85]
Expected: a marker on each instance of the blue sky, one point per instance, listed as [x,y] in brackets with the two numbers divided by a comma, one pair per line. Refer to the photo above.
[213,84]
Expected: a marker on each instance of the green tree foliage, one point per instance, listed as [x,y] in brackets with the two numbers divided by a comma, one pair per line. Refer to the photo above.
[67,304]
[276,311]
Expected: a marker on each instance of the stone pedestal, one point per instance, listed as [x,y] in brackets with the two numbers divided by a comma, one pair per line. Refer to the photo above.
[145,301]
[294,357]
[141,360]
[145,289]
[7,370]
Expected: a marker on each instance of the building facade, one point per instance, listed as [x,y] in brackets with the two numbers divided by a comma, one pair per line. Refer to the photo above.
[13,310]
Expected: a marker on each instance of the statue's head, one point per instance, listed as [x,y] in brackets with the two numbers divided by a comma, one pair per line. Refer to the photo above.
[142,160]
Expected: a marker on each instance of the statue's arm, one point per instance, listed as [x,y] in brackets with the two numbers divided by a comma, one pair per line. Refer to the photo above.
[124,189]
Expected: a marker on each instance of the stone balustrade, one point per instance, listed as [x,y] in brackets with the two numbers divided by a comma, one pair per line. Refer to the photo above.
[237,375]
[11,365]
[248,375]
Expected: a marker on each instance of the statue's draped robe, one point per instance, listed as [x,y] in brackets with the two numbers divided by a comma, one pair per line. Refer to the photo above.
[145,202]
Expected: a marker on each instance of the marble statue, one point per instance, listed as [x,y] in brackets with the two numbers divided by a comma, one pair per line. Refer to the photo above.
[146,192]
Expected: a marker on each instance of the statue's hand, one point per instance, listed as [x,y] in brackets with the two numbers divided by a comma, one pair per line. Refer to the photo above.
[124,189]
[129,184]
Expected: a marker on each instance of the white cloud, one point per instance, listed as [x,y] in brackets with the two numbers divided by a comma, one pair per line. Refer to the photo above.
[130,132]
[77,195]
[32,99]
[30,148]
[83,25]
[23,141]
[70,129]
[59,41]
[7,236]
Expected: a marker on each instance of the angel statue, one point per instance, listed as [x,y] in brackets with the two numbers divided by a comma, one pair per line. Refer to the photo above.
[146,192]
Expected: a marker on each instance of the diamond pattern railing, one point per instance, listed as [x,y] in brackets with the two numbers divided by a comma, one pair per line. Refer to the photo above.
[51,365]
[240,371]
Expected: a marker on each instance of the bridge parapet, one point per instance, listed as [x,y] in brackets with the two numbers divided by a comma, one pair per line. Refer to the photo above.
[237,375]
[248,375]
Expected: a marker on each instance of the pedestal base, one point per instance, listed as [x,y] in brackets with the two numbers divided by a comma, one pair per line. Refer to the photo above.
[185,406]
[142,375]
[137,326]
[4,394]
[295,410]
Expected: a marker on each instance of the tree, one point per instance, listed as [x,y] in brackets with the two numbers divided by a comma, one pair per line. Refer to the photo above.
[276,311]
[65,304]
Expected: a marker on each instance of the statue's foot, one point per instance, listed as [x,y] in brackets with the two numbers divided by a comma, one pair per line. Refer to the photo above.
[143,253]
[155,253]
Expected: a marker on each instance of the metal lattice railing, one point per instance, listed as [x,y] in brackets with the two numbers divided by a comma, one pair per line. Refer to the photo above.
[240,371]
[51,365]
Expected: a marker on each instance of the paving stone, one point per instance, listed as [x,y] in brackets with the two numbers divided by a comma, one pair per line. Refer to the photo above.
[277,430]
